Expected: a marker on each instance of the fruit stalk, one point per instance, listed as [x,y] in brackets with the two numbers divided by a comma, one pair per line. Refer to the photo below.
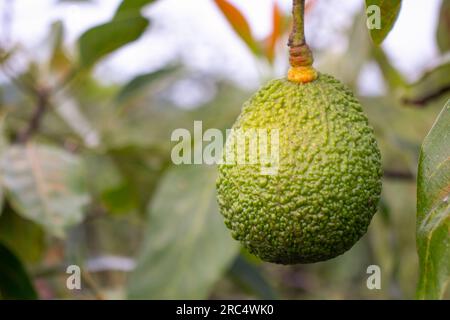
[300,55]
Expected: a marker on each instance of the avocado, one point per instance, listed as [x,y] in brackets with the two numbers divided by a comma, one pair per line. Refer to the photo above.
[328,182]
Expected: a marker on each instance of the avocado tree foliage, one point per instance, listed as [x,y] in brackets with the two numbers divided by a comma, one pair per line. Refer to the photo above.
[86,176]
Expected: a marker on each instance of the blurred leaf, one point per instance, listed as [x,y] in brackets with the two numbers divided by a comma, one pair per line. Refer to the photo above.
[344,66]
[384,210]
[141,170]
[131,7]
[107,235]
[443,28]
[393,77]
[239,24]
[432,85]
[358,43]
[120,200]
[433,210]
[277,32]
[110,188]
[389,10]
[101,40]
[187,246]
[6,54]
[45,185]
[250,277]
[59,60]
[140,82]
[14,280]
[69,110]
[22,236]
[148,123]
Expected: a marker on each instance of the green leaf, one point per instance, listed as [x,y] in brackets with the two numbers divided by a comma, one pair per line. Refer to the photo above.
[433,210]
[59,60]
[250,277]
[187,248]
[45,185]
[101,40]
[432,85]
[22,236]
[394,79]
[239,24]
[443,29]
[389,10]
[14,281]
[141,82]
[131,7]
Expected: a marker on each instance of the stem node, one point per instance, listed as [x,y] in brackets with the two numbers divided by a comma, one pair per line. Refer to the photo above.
[300,55]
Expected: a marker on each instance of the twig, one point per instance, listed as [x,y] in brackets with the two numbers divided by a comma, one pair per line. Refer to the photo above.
[89,281]
[398,175]
[422,101]
[48,271]
[36,118]
[23,86]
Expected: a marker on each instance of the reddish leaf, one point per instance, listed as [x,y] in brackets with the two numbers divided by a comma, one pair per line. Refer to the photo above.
[309,5]
[238,23]
[277,32]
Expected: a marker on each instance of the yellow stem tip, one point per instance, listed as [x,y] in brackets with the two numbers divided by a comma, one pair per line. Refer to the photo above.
[302,74]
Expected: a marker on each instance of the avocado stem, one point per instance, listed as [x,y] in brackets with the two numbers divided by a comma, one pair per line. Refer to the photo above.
[300,55]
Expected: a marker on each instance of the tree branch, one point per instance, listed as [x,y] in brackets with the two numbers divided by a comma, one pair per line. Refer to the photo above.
[398,175]
[36,118]
[422,101]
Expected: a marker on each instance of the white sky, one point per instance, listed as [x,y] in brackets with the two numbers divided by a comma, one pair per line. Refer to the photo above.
[210,45]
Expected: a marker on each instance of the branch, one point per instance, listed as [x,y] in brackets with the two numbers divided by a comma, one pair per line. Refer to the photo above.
[398,175]
[36,118]
[422,101]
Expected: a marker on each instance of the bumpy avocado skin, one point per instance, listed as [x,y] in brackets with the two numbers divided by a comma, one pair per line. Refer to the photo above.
[328,184]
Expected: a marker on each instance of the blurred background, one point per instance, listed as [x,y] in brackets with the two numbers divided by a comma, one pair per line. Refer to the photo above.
[90,93]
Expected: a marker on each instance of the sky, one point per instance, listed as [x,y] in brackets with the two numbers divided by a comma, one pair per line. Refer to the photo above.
[195,32]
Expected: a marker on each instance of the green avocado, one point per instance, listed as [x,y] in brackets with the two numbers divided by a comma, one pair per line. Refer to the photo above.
[326,189]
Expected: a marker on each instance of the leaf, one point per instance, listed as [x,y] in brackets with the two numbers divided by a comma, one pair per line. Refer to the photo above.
[59,60]
[239,24]
[22,236]
[14,281]
[250,277]
[277,32]
[433,210]
[389,10]
[101,40]
[358,43]
[394,79]
[5,55]
[443,29]
[187,246]
[68,108]
[45,184]
[140,82]
[131,7]
[432,85]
